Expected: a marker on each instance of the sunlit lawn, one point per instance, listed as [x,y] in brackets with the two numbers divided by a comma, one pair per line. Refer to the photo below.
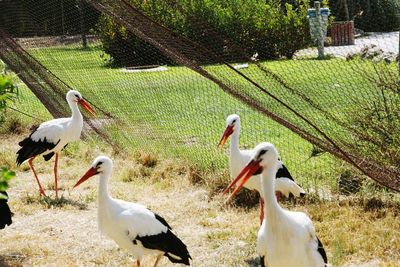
[180,113]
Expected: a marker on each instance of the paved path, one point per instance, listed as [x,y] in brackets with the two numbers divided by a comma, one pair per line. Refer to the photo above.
[388,42]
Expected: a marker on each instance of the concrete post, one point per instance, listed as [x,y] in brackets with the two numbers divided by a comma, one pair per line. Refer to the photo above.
[320,37]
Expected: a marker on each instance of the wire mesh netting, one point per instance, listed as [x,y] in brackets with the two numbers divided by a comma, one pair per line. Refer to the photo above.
[165,75]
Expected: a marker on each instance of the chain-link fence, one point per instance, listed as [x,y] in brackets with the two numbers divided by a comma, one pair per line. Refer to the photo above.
[165,75]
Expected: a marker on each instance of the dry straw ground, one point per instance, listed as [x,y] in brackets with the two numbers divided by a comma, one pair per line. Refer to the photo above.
[47,233]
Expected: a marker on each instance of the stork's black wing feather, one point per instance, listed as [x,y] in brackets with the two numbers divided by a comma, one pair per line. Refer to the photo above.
[48,156]
[174,249]
[321,251]
[162,220]
[5,212]
[283,172]
[30,148]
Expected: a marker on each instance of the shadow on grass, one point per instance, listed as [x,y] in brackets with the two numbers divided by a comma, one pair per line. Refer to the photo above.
[14,259]
[50,202]
[254,262]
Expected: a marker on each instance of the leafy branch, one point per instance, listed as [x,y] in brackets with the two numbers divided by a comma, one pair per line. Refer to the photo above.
[5,176]
[8,91]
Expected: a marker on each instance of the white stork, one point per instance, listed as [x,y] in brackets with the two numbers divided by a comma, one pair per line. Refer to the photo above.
[288,238]
[5,212]
[284,183]
[132,226]
[52,136]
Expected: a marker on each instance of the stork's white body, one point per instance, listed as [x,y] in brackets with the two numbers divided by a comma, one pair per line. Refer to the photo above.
[239,158]
[289,238]
[132,226]
[122,221]
[63,130]
[52,136]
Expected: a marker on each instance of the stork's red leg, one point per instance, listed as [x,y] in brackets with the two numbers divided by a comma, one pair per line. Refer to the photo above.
[158,260]
[55,175]
[41,190]
[278,195]
[261,210]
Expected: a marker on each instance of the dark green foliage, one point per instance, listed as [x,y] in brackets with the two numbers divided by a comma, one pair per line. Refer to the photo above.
[125,49]
[46,17]
[5,176]
[268,28]
[8,92]
[370,15]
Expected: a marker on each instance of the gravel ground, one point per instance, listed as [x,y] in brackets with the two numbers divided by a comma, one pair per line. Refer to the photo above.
[388,42]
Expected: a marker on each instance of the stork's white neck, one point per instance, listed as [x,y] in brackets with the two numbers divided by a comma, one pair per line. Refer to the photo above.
[103,186]
[76,113]
[271,206]
[234,145]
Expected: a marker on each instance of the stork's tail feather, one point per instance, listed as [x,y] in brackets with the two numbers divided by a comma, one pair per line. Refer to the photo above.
[174,249]
[301,192]
[48,156]
[287,186]
[178,253]
[172,258]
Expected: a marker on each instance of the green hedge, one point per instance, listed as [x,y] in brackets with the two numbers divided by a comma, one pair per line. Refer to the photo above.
[266,27]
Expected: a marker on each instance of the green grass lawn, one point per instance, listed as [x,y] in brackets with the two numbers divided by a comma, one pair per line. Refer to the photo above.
[178,113]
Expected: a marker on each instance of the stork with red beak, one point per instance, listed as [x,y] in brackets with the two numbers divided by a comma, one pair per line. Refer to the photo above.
[132,226]
[284,182]
[285,238]
[52,136]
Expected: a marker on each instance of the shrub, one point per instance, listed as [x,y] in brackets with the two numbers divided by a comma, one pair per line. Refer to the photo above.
[8,91]
[5,176]
[375,128]
[126,49]
[266,27]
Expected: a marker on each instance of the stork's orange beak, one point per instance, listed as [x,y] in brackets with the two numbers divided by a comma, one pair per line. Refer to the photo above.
[86,106]
[91,172]
[228,131]
[249,170]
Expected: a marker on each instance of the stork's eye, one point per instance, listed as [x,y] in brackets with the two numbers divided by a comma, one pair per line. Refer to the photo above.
[77,96]
[99,164]
[234,121]
[262,152]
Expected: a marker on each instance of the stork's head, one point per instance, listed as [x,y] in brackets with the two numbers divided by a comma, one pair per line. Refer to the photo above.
[74,96]
[232,125]
[264,156]
[100,165]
